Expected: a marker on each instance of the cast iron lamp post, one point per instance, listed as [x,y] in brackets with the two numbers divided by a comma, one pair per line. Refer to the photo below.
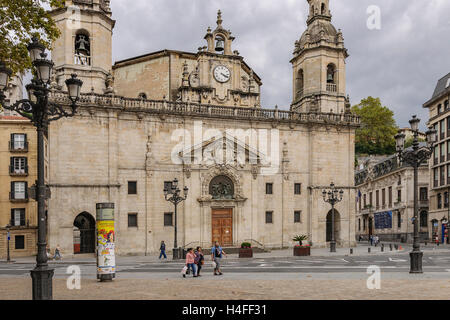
[173,195]
[414,158]
[40,111]
[332,196]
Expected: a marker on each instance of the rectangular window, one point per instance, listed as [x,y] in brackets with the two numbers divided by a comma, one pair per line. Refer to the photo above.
[442,124]
[399,195]
[448,174]
[370,199]
[297,216]
[269,216]
[18,165]
[399,220]
[436,155]
[445,199]
[442,174]
[269,188]
[132,220]
[442,152]
[377,197]
[383,197]
[423,194]
[439,201]
[132,187]
[19,190]
[18,141]
[436,177]
[359,224]
[390,196]
[297,188]
[365,202]
[17,217]
[168,219]
[448,149]
[168,185]
[19,242]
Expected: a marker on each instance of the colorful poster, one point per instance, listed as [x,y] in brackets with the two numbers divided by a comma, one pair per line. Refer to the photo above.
[106,262]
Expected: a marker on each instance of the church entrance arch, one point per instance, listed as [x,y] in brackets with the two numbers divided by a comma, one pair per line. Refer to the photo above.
[84,233]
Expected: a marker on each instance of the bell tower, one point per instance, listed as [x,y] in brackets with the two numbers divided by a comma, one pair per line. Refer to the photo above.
[85,44]
[319,64]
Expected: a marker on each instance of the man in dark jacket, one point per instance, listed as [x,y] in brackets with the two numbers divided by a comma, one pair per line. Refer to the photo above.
[162,248]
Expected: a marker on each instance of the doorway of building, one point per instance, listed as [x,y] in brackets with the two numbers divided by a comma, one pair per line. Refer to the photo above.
[337,223]
[222,227]
[370,227]
[84,233]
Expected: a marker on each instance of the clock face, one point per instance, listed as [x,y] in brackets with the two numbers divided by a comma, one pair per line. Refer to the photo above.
[222,74]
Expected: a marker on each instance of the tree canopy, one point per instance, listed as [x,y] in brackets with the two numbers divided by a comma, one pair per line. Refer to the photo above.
[378,127]
[20,20]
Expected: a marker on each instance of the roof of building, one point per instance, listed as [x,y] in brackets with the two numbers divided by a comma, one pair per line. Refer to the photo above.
[442,87]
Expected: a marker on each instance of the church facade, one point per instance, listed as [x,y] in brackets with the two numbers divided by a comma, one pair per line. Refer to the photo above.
[253,174]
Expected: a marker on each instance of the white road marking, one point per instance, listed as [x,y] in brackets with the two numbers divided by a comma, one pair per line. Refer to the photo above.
[396,260]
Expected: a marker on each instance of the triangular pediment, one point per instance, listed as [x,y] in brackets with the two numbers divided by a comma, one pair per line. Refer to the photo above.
[226,149]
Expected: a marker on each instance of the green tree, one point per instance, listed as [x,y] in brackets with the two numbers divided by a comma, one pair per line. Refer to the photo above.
[378,128]
[20,20]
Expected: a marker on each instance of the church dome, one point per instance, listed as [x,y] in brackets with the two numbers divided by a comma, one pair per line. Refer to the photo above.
[314,30]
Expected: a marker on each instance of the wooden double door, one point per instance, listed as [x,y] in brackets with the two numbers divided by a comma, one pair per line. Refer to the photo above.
[222,227]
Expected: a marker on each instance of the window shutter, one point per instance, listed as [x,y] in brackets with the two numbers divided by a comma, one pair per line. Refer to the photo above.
[11,143]
[11,165]
[26,165]
[25,141]
[26,190]
[11,222]
[12,190]
[22,217]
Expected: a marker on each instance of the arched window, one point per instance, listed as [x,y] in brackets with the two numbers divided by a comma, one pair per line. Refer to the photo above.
[142,96]
[323,9]
[439,108]
[446,105]
[220,44]
[331,70]
[300,84]
[82,48]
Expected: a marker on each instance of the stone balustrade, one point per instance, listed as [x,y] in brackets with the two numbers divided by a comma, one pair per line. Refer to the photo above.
[195,109]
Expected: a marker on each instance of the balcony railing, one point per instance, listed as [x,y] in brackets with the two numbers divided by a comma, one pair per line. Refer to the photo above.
[82,60]
[331,87]
[163,107]
[18,172]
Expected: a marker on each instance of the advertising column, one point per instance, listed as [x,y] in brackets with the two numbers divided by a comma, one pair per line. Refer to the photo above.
[106,262]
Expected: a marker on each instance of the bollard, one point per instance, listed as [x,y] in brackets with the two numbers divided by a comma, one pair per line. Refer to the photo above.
[368,250]
[382,248]
[351,251]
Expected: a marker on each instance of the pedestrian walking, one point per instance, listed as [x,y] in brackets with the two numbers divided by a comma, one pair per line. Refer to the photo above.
[162,248]
[199,259]
[190,262]
[371,240]
[377,240]
[57,255]
[216,255]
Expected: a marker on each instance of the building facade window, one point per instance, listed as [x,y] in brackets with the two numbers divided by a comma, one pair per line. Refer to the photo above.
[132,220]
[168,219]
[370,199]
[442,125]
[423,194]
[435,177]
[132,187]
[269,188]
[439,201]
[167,185]
[399,195]
[399,220]
[269,216]
[18,165]
[436,155]
[390,196]
[19,190]
[17,217]
[442,174]
[18,141]
[359,224]
[297,216]
[445,199]
[377,198]
[383,197]
[424,219]
[297,188]
[19,242]
[365,200]
[442,152]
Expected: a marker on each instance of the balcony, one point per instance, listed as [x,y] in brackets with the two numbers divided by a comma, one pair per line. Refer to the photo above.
[18,172]
[13,148]
[82,60]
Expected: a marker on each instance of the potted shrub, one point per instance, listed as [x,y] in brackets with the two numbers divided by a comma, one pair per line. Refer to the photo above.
[300,249]
[246,250]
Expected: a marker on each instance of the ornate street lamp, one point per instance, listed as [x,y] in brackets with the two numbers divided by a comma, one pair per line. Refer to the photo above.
[8,236]
[332,196]
[173,195]
[40,111]
[415,158]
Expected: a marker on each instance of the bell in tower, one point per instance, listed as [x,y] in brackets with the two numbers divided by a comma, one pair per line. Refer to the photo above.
[220,44]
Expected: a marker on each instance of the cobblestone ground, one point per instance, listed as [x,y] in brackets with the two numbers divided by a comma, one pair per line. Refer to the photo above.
[199,289]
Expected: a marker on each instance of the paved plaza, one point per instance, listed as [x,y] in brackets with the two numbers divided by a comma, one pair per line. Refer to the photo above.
[270,275]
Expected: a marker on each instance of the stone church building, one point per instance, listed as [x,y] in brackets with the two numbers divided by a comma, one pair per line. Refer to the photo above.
[253,174]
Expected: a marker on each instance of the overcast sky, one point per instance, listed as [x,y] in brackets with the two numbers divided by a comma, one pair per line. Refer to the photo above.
[400,63]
